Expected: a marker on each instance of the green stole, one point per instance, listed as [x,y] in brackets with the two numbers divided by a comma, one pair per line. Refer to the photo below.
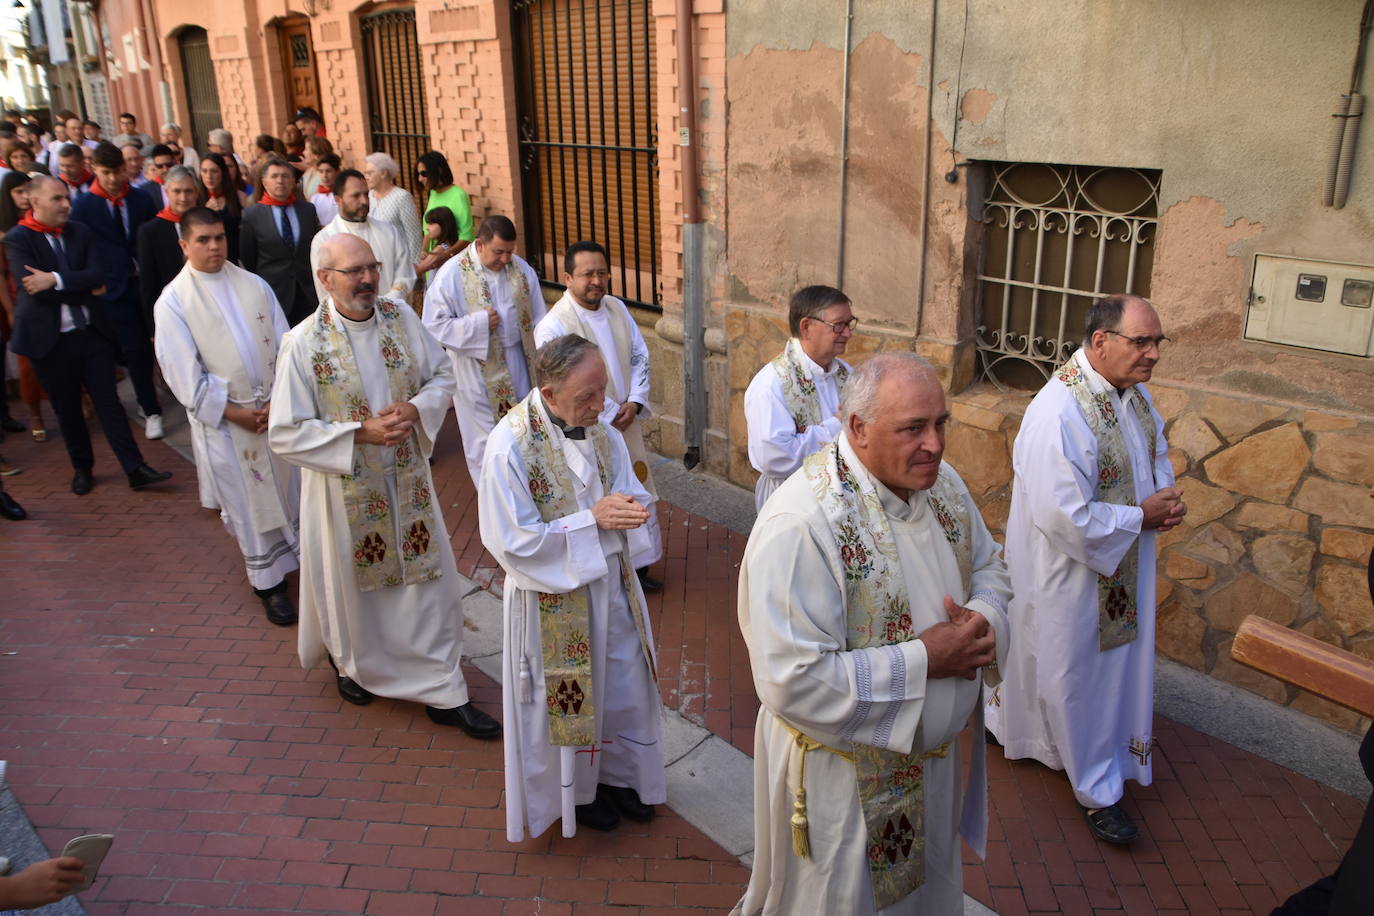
[378,561]
[565,619]
[891,784]
[477,295]
[1116,594]
[799,388]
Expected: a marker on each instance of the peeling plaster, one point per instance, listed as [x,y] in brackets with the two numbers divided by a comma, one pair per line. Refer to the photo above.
[975,105]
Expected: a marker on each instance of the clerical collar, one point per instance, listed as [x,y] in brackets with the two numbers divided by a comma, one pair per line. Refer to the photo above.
[354,321]
[815,366]
[354,221]
[572,432]
[207,274]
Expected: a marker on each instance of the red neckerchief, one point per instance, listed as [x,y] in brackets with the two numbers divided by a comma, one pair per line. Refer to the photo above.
[324,189]
[31,222]
[167,214]
[99,191]
[271,201]
[215,195]
[158,178]
[86,179]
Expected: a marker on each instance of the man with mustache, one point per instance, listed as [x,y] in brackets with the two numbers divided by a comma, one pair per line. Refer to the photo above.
[350,192]
[361,392]
[588,309]
[1093,484]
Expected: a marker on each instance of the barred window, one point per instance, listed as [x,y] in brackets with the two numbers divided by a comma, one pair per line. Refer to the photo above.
[1058,237]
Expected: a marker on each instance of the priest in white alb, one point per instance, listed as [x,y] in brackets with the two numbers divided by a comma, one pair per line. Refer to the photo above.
[218,330]
[873,602]
[564,514]
[483,306]
[588,310]
[1093,484]
[386,241]
[791,405]
[362,390]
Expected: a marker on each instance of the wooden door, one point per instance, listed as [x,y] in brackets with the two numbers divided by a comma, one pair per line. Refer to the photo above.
[298,65]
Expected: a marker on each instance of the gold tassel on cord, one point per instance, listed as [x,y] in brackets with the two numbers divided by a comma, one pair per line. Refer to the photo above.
[801,843]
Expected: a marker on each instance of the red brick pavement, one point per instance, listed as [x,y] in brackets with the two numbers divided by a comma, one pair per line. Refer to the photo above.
[149,697]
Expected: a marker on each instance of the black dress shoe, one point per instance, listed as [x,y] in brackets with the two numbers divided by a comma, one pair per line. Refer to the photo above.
[11,509]
[990,738]
[626,801]
[647,582]
[11,425]
[599,815]
[82,482]
[279,608]
[1112,825]
[349,689]
[474,722]
[144,476]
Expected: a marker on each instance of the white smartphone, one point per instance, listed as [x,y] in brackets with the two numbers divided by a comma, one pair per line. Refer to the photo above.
[91,850]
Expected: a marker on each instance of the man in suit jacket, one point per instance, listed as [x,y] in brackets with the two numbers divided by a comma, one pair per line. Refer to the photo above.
[61,326]
[160,257]
[114,210]
[274,241]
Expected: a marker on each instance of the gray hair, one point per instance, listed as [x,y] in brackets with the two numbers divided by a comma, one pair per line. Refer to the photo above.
[556,360]
[221,137]
[861,391]
[178,172]
[384,163]
[172,125]
[1105,314]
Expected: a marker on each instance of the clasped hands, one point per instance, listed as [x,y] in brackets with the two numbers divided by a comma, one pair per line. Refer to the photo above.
[959,646]
[619,512]
[253,419]
[391,426]
[1164,509]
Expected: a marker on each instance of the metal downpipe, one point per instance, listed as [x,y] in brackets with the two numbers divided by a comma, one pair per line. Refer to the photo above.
[844,144]
[693,304]
[924,232]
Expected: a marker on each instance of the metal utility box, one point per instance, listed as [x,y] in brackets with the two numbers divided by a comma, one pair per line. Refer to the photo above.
[1321,305]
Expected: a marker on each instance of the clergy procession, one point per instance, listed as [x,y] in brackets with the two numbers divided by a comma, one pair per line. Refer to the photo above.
[881,618]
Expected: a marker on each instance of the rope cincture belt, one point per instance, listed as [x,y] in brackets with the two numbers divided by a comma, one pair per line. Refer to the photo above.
[801,843]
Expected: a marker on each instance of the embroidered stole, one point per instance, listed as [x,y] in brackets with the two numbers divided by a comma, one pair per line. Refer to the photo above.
[378,561]
[477,295]
[221,357]
[565,619]
[1116,594]
[891,784]
[799,388]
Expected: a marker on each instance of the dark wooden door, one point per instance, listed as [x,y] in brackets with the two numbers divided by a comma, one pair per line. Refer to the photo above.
[298,65]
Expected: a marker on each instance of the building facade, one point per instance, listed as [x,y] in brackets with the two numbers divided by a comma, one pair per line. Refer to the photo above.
[972,174]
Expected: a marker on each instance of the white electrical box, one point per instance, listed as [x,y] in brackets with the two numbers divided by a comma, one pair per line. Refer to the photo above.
[1321,305]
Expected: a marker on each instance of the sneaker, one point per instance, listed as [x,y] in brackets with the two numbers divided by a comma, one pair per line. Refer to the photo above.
[9,470]
[153,427]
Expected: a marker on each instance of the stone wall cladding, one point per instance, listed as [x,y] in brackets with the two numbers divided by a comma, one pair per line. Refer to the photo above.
[1280,523]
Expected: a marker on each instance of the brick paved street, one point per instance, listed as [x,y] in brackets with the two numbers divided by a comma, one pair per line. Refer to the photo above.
[142,693]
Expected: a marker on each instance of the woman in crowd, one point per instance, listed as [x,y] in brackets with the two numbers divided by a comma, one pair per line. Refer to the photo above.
[14,204]
[316,148]
[236,181]
[437,178]
[221,195]
[390,202]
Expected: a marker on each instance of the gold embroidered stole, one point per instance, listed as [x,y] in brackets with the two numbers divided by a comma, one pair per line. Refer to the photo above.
[1116,594]
[565,619]
[891,784]
[378,561]
[220,355]
[477,295]
[799,388]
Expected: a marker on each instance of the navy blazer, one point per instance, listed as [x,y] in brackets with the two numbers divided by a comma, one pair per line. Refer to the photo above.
[38,316]
[116,253]
[286,270]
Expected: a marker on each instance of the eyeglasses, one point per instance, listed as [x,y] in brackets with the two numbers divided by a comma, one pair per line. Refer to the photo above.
[421,173]
[1143,344]
[593,275]
[354,273]
[837,327]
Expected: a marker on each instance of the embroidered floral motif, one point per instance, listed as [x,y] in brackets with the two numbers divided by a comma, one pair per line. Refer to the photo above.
[1117,613]
[326,373]
[356,407]
[376,506]
[392,355]
[799,388]
[477,296]
[540,487]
